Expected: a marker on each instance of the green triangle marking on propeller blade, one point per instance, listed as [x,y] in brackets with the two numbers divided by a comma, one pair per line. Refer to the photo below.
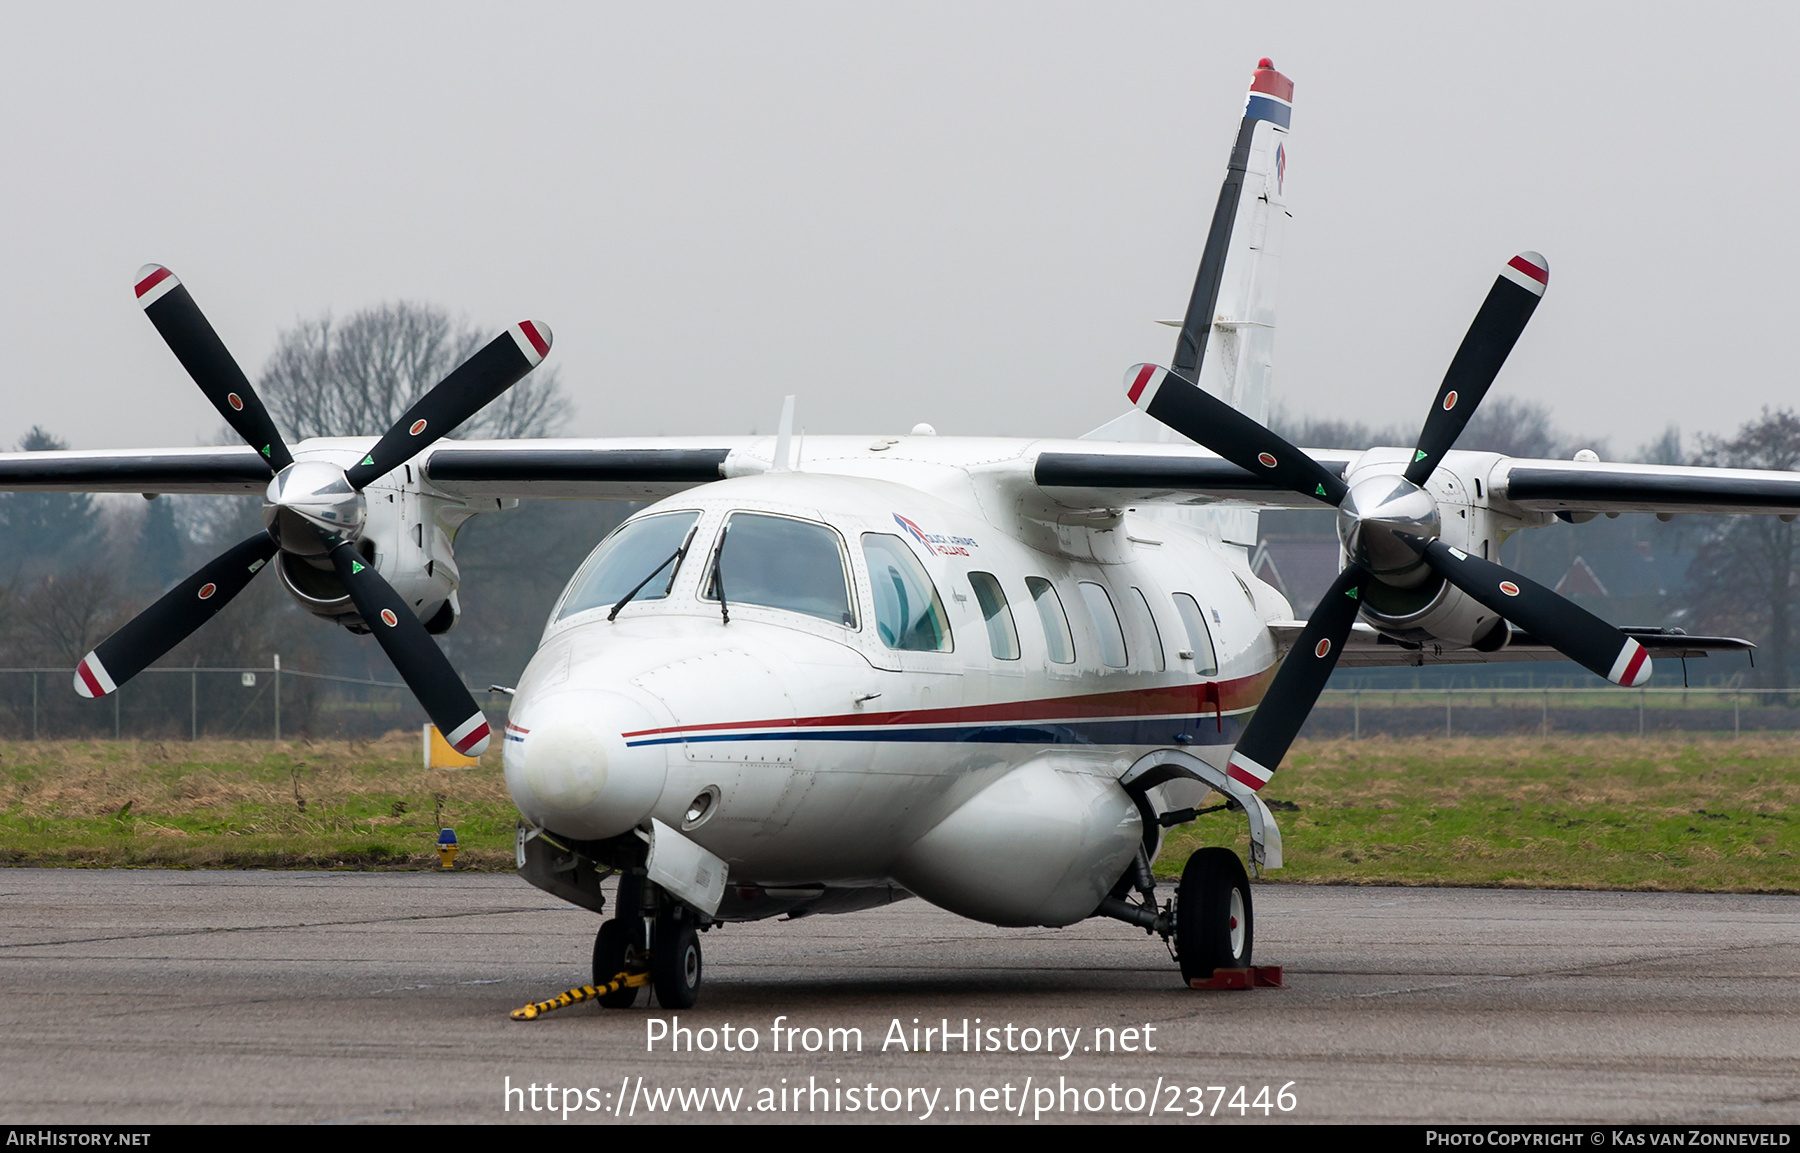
[1418,455]
[1351,594]
[370,459]
[1319,490]
[357,566]
[265,450]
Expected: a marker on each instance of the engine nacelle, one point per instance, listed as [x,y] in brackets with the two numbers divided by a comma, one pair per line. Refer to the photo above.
[1431,609]
[407,536]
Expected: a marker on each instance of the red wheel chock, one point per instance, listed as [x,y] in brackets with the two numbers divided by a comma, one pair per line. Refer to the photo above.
[1255,977]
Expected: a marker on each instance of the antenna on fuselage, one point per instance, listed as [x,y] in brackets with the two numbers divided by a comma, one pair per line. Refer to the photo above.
[784,437]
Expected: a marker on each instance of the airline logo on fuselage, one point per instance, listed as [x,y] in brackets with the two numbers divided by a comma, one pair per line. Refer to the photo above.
[937,544]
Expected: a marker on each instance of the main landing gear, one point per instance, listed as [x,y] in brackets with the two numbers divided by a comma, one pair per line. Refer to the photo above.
[1213,927]
[664,929]
[1209,925]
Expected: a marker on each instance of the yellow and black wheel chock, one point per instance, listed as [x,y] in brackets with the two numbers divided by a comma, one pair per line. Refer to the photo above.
[624,980]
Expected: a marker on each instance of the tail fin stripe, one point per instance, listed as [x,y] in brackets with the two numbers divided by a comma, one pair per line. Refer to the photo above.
[1274,111]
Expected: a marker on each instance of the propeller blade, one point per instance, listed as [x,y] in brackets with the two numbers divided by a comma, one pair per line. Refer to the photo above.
[185,329]
[1553,619]
[1206,420]
[497,367]
[168,622]
[421,664]
[1477,362]
[1298,682]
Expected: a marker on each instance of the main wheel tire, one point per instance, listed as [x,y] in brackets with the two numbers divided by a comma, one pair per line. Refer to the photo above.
[675,965]
[1214,922]
[613,951]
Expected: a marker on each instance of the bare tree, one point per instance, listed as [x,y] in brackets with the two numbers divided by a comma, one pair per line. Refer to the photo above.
[357,376]
[1743,573]
[63,616]
[1502,424]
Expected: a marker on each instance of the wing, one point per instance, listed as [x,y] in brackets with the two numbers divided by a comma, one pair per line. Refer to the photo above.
[157,470]
[1365,648]
[1101,474]
[1573,488]
[1097,474]
[604,469]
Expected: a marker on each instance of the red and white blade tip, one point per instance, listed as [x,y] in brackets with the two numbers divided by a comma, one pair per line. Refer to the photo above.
[91,679]
[1632,668]
[152,283]
[1141,383]
[1528,270]
[1245,771]
[533,337]
[471,737]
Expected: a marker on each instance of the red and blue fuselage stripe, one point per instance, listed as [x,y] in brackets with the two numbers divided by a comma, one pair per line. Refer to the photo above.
[1211,713]
[1158,731]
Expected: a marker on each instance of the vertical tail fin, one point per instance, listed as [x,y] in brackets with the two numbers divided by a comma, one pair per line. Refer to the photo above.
[1227,341]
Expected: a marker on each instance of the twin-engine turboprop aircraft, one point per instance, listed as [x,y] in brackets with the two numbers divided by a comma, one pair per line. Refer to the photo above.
[980,671]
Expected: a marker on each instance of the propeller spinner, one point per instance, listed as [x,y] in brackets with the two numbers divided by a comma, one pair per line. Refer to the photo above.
[1389,524]
[313,509]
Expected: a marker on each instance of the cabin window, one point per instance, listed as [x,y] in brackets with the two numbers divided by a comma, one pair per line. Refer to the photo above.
[1157,656]
[1106,625]
[1206,661]
[778,562]
[1003,635]
[629,556]
[908,614]
[1057,641]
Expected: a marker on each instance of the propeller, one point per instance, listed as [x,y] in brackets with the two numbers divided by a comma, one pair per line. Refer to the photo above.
[185,329]
[1389,524]
[1298,682]
[1244,442]
[1485,347]
[313,508]
[1579,635]
[168,622]
[423,666]
[470,386]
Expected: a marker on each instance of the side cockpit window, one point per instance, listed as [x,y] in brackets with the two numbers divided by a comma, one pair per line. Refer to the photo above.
[643,552]
[908,613]
[780,562]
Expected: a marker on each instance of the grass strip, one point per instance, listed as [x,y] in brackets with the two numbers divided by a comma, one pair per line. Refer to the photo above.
[1660,813]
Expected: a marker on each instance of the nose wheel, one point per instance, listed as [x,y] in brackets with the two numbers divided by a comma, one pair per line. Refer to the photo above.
[673,941]
[1214,918]
[615,950]
[675,965]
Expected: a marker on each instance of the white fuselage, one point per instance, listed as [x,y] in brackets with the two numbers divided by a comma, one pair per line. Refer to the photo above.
[816,753]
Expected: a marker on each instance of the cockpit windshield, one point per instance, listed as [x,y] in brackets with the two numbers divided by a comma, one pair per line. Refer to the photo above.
[626,558]
[782,563]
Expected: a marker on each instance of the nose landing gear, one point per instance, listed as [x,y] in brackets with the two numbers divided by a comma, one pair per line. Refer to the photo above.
[675,965]
[664,936]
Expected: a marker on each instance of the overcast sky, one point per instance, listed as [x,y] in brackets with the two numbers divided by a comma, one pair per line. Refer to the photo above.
[965,213]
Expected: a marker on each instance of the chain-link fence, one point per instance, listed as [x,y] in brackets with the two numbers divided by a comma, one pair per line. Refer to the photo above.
[219,703]
[273,702]
[1725,712]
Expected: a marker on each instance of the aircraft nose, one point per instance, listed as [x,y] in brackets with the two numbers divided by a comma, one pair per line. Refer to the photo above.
[569,769]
